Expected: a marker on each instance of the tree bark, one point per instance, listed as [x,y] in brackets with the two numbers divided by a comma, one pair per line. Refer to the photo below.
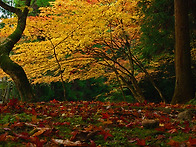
[184,86]
[14,70]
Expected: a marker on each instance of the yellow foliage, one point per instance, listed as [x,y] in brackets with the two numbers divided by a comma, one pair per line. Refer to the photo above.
[72,27]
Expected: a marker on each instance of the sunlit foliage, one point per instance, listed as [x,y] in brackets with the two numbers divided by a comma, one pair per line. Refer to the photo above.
[77,32]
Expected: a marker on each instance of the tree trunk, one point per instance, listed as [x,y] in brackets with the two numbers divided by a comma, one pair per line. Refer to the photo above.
[135,90]
[14,70]
[184,86]
[19,77]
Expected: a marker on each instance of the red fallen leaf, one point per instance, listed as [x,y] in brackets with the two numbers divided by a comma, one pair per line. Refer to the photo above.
[168,126]
[74,135]
[61,123]
[63,108]
[160,137]
[106,134]
[33,111]
[92,144]
[161,129]
[54,101]
[37,141]
[186,129]
[122,118]
[173,143]
[141,142]
[172,131]
[53,114]
[137,104]
[17,124]
[13,102]
[191,142]
[164,119]
[23,135]
[105,115]
[3,137]
[130,125]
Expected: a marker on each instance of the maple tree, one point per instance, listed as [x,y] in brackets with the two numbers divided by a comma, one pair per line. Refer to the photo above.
[80,40]
[11,68]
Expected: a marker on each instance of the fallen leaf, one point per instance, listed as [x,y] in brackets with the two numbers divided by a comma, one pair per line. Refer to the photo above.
[92,144]
[107,122]
[105,115]
[106,134]
[141,142]
[172,131]
[191,142]
[23,135]
[173,143]
[68,142]
[34,119]
[3,136]
[41,131]
[150,123]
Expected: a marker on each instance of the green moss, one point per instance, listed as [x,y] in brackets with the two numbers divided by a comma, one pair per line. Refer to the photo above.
[181,137]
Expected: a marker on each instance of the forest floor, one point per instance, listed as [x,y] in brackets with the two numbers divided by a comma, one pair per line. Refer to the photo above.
[85,123]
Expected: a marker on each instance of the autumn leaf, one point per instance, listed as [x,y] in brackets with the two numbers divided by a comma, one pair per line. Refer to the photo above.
[41,131]
[105,115]
[172,131]
[191,142]
[13,102]
[38,142]
[107,122]
[173,143]
[3,137]
[34,119]
[68,142]
[33,111]
[54,101]
[130,125]
[106,134]
[92,144]
[29,131]
[22,135]
[141,142]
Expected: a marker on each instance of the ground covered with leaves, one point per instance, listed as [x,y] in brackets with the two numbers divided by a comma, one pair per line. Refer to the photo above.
[85,123]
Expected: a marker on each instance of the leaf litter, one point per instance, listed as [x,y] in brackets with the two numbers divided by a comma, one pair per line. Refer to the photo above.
[94,123]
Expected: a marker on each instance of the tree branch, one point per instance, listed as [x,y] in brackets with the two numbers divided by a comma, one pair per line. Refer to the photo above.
[9,8]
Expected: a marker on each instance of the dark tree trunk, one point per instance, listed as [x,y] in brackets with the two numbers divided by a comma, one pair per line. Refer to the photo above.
[184,86]
[14,70]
